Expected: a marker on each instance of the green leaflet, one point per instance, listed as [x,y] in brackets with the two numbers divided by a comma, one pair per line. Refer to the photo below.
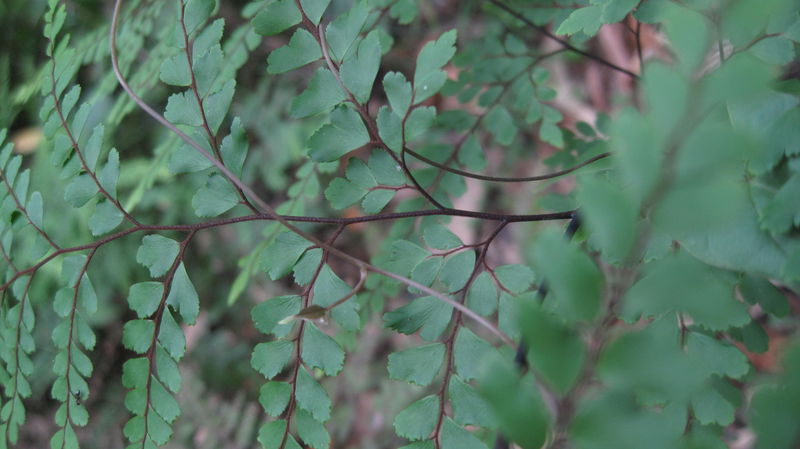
[515,277]
[771,401]
[588,20]
[405,256]
[270,358]
[438,236]
[215,198]
[358,73]
[456,270]
[611,215]
[428,78]
[182,109]
[280,256]
[469,408]
[314,9]
[702,292]
[418,122]
[267,315]
[330,288]
[500,123]
[145,297]
[365,183]
[322,94]
[106,217]
[520,413]
[342,193]
[417,420]
[482,295]
[183,296]
[455,436]
[311,431]
[345,133]
[472,354]
[234,147]
[311,397]
[301,50]
[427,313]
[342,32]
[137,335]
[711,407]
[398,92]
[555,350]
[157,253]
[575,282]
[321,351]
[175,71]
[274,397]
[390,128]
[276,17]
[417,365]
[197,11]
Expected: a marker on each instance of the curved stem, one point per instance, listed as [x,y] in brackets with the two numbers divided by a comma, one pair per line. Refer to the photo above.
[561,41]
[506,179]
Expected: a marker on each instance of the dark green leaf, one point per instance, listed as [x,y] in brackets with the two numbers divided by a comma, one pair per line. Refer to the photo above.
[321,351]
[270,358]
[314,9]
[515,277]
[323,93]
[418,122]
[439,237]
[555,351]
[301,50]
[455,437]
[234,147]
[610,215]
[157,253]
[761,291]
[482,295]
[345,133]
[469,408]
[274,397]
[376,200]
[472,354]
[311,431]
[417,365]
[358,72]
[268,314]
[430,314]
[281,255]
[398,92]
[137,335]
[216,197]
[428,78]
[105,218]
[418,420]
[679,282]
[500,123]
[457,269]
[574,280]
[171,337]
[145,297]
[183,297]
[342,32]
[342,193]
[311,397]
[276,17]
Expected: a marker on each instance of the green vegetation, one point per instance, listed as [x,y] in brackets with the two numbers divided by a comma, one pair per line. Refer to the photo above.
[400,223]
